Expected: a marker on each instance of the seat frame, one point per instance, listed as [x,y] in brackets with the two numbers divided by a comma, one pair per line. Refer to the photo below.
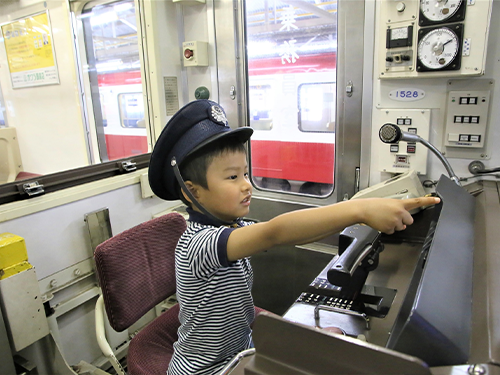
[100,316]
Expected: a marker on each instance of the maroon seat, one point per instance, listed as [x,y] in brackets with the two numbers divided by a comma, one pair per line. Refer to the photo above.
[136,270]
[25,175]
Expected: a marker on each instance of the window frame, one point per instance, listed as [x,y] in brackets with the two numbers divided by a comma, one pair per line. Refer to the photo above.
[16,190]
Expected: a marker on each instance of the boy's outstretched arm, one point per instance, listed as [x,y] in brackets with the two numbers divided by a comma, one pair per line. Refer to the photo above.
[303,226]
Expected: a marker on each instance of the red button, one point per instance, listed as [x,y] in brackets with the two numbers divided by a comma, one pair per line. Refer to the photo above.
[188,53]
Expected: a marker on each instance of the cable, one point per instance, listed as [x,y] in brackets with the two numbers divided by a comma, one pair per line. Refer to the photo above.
[429,183]
[477,167]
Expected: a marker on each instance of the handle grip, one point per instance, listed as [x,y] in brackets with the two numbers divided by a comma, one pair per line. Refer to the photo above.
[355,244]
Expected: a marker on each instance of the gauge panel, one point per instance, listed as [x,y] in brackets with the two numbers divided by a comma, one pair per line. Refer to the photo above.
[433,12]
[399,37]
[439,48]
[459,49]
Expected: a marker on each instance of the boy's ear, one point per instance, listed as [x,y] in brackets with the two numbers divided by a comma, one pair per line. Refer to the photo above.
[192,188]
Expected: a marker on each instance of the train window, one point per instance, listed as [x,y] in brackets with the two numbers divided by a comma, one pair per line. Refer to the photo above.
[291,68]
[131,110]
[114,73]
[260,110]
[317,107]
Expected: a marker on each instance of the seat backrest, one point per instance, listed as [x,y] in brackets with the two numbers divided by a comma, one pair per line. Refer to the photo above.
[136,268]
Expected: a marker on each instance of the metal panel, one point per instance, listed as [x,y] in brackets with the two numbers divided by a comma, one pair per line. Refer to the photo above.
[485,347]
[350,50]
[440,333]
[6,364]
[23,309]
[229,62]
[99,226]
[284,347]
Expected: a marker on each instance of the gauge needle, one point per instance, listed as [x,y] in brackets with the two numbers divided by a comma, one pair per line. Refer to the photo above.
[438,48]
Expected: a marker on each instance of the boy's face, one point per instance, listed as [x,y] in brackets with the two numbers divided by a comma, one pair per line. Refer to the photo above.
[229,188]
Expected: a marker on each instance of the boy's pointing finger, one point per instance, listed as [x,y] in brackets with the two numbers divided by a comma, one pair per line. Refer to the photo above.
[412,203]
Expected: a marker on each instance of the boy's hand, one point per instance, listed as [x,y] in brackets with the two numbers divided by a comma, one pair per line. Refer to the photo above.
[390,215]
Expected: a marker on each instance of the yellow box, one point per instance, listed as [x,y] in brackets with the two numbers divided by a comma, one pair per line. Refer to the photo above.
[16,268]
[12,251]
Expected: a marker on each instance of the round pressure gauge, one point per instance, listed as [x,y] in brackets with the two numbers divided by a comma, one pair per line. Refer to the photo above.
[441,11]
[439,48]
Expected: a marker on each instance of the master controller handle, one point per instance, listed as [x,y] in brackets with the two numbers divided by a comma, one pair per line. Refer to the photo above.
[359,246]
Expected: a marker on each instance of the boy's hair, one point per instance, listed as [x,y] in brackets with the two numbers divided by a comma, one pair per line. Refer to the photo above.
[195,167]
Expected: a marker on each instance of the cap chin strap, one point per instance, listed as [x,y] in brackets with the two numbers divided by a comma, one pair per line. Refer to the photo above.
[181,182]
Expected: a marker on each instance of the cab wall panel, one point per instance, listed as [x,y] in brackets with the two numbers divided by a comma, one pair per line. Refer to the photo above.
[436,89]
[58,237]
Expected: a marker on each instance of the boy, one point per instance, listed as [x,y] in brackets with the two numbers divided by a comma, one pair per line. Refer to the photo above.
[201,161]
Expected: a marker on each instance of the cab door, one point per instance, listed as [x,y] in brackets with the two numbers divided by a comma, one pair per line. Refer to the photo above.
[292,70]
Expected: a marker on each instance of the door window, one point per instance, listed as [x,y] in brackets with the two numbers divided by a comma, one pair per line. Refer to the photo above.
[291,68]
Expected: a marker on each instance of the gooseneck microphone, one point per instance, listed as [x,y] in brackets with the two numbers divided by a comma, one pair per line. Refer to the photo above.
[390,133]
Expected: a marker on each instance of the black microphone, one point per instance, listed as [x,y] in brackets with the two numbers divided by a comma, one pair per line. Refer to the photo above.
[390,133]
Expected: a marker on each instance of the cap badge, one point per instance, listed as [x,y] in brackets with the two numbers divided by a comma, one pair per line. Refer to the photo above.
[217,115]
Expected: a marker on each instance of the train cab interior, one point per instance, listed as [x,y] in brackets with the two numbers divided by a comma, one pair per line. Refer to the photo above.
[347,100]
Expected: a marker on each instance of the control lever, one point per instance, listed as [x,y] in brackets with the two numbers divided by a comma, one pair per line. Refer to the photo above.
[359,246]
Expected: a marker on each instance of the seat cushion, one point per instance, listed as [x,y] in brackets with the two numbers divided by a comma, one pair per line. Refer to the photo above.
[152,348]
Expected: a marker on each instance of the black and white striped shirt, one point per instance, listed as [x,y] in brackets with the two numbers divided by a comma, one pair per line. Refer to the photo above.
[216,306]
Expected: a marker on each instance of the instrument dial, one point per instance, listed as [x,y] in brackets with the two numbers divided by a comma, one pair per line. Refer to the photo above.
[439,10]
[437,49]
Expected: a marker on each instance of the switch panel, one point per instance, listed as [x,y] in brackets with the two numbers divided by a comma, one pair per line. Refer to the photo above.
[466,118]
[465,126]
[403,156]
[195,53]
